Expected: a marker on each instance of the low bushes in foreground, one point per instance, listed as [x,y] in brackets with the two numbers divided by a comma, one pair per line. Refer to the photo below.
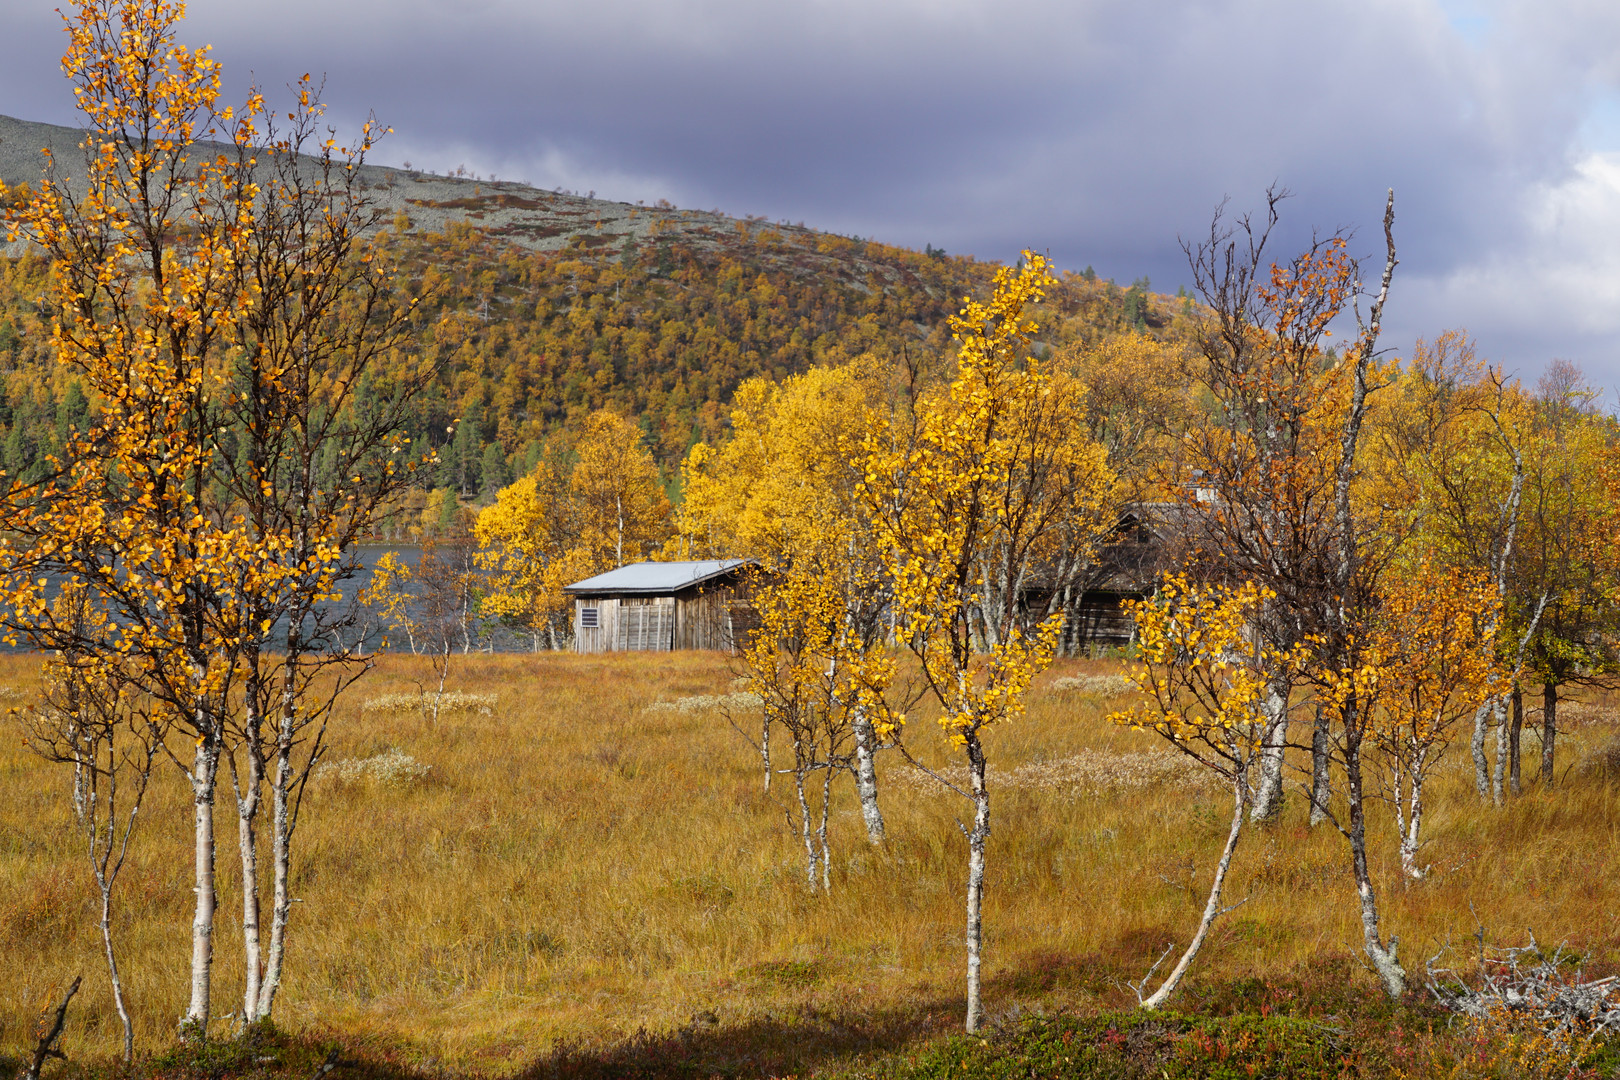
[1282,1034]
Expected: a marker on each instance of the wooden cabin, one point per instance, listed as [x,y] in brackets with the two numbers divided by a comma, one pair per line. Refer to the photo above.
[660,606]
[1126,567]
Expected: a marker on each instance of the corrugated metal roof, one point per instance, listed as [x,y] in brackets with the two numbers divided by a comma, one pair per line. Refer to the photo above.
[655,577]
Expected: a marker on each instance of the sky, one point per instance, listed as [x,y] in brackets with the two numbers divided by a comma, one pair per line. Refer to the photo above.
[1103,132]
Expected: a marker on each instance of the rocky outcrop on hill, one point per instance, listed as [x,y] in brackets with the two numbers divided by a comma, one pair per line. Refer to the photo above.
[529,217]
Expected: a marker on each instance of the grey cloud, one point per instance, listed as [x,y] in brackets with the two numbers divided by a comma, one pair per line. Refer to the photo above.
[1099,130]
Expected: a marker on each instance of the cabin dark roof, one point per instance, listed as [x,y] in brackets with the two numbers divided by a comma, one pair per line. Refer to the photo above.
[654,578]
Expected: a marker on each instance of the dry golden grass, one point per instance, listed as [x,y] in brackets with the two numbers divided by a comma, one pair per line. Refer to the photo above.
[573,866]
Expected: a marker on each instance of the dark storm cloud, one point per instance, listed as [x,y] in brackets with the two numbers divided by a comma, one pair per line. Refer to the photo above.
[1100,131]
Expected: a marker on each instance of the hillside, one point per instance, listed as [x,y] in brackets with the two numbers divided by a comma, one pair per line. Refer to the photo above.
[572,304]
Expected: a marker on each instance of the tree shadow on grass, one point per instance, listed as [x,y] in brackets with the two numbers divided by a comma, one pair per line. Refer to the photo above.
[1038,998]
[797,1042]
[1100,975]
[1045,973]
[793,1042]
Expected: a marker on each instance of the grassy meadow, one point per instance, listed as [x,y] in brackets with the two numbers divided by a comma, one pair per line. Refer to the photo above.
[584,876]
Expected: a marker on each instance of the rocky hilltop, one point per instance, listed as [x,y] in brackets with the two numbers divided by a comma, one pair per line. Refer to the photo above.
[529,217]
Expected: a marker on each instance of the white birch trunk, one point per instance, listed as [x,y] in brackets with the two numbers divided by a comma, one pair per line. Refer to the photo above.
[1268,797]
[1321,758]
[975,884]
[1383,957]
[1409,818]
[806,832]
[107,856]
[1482,768]
[106,869]
[281,898]
[247,813]
[1212,907]
[112,970]
[866,776]
[1514,746]
[443,663]
[765,745]
[1499,718]
[281,826]
[1492,706]
[1411,839]
[466,619]
[204,771]
[821,831]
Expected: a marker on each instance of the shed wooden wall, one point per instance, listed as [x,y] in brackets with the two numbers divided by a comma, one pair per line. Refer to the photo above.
[703,618]
[600,637]
[698,618]
[646,624]
[628,624]
[1099,621]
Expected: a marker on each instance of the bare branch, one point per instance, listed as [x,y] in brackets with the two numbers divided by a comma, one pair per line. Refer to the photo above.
[45,1048]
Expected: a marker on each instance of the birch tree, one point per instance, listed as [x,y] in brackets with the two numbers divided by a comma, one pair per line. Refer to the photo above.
[311,448]
[146,269]
[782,491]
[806,662]
[1271,496]
[526,545]
[223,304]
[1430,650]
[1204,673]
[1257,480]
[1488,524]
[92,718]
[387,595]
[1568,550]
[621,507]
[942,492]
[1059,490]
[1476,468]
[1561,583]
[1352,565]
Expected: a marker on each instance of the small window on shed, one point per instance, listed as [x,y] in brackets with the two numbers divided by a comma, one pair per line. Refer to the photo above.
[587,618]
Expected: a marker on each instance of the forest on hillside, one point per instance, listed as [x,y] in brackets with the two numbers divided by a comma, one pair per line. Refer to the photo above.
[525,345]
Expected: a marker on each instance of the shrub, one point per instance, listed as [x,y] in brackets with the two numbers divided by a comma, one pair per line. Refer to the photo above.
[449,701]
[1097,686]
[707,703]
[393,768]
[1129,1045]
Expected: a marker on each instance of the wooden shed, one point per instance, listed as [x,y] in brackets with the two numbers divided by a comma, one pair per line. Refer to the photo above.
[1125,567]
[660,606]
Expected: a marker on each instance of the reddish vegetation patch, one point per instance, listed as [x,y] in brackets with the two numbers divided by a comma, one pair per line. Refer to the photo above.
[478,202]
[536,231]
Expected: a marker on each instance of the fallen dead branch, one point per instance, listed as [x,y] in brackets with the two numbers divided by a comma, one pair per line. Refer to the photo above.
[1547,989]
[48,1034]
[325,1068]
